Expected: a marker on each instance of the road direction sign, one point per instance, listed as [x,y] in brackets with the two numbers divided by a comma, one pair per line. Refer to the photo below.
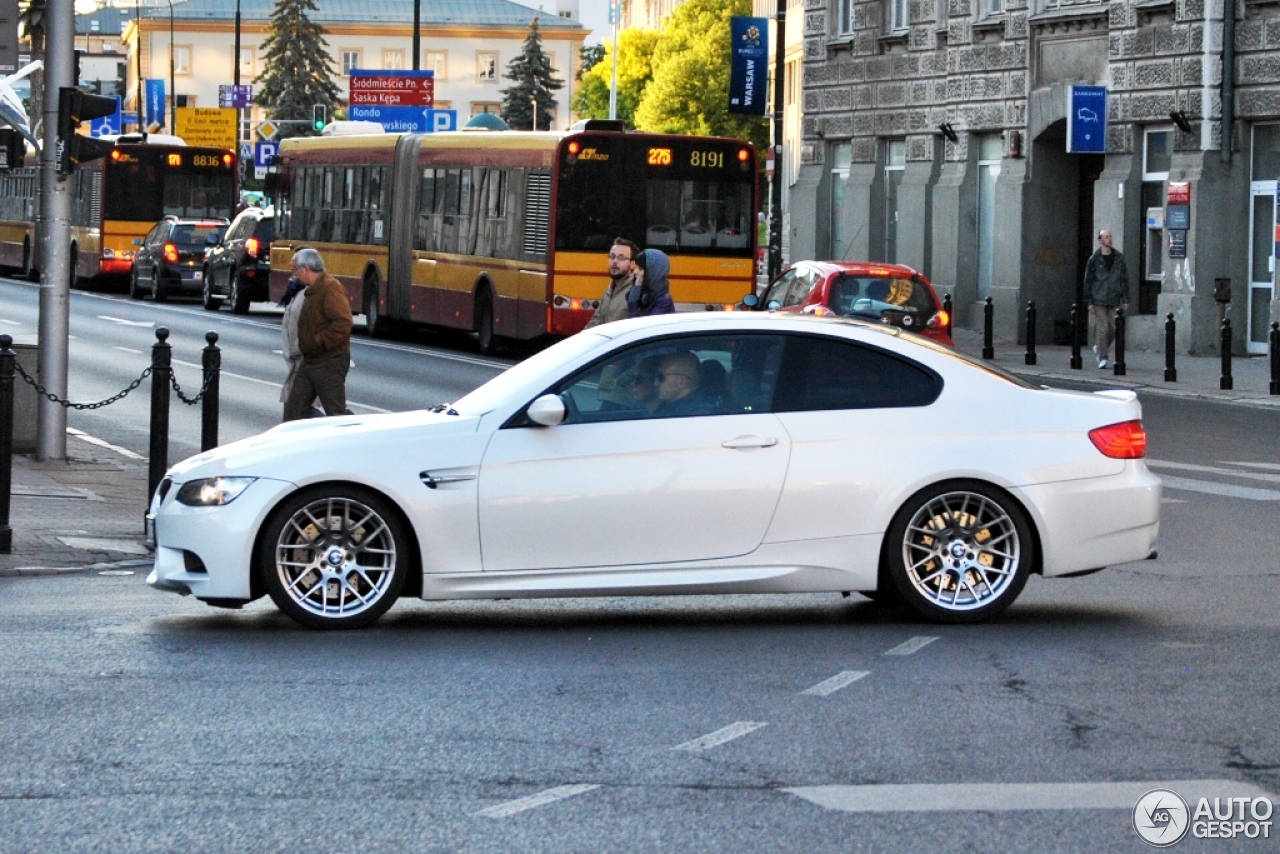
[406,119]
[107,124]
[235,96]
[391,88]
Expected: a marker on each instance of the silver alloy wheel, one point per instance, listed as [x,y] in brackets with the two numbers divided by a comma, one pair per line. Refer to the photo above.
[336,559]
[962,551]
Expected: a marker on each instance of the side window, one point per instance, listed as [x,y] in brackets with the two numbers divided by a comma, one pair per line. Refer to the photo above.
[800,288]
[677,378]
[826,373]
[778,290]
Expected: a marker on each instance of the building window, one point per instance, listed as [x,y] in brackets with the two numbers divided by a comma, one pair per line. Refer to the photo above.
[897,10]
[478,107]
[393,60]
[437,61]
[486,66]
[990,154]
[841,159]
[992,7]
[182,59]
[1157,154]
[895,165]
[844,17]
[351,60]
[248,58]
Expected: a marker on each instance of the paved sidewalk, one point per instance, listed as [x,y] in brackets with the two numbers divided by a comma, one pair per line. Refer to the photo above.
[86,514]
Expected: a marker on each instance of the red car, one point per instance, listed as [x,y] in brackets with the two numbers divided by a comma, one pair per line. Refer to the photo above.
[890,293]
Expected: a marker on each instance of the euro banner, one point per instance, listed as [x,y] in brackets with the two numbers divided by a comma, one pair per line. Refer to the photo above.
[749,65]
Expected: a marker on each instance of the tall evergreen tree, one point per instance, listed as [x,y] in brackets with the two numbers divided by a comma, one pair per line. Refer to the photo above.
[298,75]
[532,73]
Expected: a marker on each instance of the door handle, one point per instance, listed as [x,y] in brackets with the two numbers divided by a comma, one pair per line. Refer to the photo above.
[740,442]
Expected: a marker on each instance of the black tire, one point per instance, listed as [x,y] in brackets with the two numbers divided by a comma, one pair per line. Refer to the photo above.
[376,323]
[29,271]
[135,290]
[207,299]
[486,341]
[160,291]
[959,552]
[334,557]
[237,294]
[73,261]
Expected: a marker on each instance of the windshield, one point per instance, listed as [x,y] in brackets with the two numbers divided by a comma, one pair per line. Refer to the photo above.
[501,388]
[869,296]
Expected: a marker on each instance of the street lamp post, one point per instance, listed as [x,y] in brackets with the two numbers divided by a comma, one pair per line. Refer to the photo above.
[535,113]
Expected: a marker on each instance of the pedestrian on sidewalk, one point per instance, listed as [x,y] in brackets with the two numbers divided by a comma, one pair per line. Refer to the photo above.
[324,338]
[291,302]
[1106,287]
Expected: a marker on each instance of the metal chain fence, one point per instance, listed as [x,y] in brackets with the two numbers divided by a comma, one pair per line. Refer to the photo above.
[67,404]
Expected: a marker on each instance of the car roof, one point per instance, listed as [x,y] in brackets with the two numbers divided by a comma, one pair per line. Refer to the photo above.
[199,220]
[862,268]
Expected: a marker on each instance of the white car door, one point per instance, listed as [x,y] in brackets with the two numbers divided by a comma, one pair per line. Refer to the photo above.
[618,487]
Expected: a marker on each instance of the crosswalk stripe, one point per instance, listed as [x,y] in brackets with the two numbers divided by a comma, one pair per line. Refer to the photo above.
[720,736]
[1243,475]
[548,796]
[1213,488]
[835,683]
[914,645]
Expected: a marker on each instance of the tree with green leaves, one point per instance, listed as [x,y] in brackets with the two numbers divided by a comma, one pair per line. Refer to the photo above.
[297,76]
[689,92]
[635,54]
[589,54]
[535,81]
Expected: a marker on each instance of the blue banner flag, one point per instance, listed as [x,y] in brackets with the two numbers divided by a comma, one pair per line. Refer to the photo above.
[154,111]
[749,68]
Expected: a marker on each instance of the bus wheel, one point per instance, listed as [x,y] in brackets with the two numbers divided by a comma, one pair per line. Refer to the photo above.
[485,338]
[375,323]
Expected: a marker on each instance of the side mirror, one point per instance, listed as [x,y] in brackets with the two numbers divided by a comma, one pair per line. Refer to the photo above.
[750,301]
[774,305]
[548,410]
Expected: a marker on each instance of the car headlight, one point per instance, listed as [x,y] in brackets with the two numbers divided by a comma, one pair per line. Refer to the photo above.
[213,491]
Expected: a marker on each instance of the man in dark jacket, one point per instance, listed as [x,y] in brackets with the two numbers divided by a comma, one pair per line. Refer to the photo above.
[324,337]
[651,293]
[1106,287]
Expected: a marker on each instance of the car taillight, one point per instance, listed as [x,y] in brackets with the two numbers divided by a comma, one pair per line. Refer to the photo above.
[1124,441]
[171,253]
[251,246]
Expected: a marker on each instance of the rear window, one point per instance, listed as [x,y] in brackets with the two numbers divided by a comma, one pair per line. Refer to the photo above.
[265,230]
[870,296]
[197,235]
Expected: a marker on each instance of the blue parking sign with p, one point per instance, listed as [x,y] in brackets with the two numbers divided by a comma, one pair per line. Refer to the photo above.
[264,153]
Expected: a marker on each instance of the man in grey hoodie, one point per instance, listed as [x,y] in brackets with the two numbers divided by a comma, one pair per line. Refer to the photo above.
[1106,286]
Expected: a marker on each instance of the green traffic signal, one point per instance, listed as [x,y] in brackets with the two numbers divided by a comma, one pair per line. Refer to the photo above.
[319,116]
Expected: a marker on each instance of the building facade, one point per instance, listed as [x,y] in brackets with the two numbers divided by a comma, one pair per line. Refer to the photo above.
[466,43]
[935,133]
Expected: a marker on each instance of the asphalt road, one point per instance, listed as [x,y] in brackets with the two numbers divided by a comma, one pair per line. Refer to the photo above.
[136,721]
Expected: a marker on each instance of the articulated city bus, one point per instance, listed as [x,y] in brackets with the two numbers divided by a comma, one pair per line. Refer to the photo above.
[506,233]
[116,200]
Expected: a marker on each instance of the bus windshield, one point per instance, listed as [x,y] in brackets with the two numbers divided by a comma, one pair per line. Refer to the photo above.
[141,186]
[690,195]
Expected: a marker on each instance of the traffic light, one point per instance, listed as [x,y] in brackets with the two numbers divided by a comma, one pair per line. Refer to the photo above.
[319,116]
[12,148]
[74,107]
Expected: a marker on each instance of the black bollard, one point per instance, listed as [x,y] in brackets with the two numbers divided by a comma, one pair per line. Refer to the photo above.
[946,308]
[161,376]
[212,363]
[1076,361]
[988,312]
[1120,323]
[1275,358]
[8,359]
[1030,358]
[1226,383]
[1170,372]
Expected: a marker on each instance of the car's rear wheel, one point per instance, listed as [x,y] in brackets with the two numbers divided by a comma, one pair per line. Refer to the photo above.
[135,289]
[160,291]
[238,295]
[208,301]
[960,552]
[334,557]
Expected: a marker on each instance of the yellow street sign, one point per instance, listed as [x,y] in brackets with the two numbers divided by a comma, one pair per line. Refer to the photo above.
[208,126]
[267,130]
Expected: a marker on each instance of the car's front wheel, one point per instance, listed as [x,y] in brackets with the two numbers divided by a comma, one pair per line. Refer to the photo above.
[210,304]
[334,557]
[960,552]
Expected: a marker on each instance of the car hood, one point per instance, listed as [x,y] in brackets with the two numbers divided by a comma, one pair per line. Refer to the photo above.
[306,444]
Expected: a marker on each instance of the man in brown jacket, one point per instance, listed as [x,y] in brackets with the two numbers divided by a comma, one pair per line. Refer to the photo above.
[324,337]
[613,305]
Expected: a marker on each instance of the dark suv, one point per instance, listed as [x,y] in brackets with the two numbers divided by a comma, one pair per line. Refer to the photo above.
[236,270]
[170,260]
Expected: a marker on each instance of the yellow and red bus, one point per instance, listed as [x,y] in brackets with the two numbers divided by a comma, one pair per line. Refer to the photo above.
[506,233]
[116,200]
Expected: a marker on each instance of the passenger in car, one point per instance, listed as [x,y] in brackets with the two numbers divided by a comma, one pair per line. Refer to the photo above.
[678,387]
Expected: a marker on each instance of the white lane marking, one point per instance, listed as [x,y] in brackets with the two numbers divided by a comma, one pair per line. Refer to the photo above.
[835,683]
[720,736]
[101,443]
[547,796]
[1263,466]
[120,320]
[128,350]
[1246,475]
[10,322]
[367,406]
[914,645]
[1210,487]
[992,797]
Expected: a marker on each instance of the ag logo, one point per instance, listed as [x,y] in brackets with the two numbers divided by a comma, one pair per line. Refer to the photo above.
[1161,817]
